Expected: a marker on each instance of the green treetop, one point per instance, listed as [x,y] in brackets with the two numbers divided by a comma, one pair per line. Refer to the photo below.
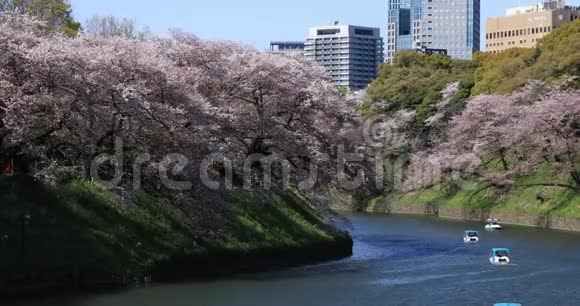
[56,13]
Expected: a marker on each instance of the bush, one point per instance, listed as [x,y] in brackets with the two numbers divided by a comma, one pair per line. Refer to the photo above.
[414,82]
[556,59]
[504,72]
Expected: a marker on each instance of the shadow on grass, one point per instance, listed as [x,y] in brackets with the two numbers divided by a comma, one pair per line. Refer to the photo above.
[79,237]
[562,203]
[74,237]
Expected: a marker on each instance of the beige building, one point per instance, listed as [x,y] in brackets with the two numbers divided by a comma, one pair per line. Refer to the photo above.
[523,27]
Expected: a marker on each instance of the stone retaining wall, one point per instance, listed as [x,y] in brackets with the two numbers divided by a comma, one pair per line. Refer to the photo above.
[434,209]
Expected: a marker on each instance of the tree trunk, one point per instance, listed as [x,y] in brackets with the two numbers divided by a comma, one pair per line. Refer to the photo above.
[576,177]
[503,160]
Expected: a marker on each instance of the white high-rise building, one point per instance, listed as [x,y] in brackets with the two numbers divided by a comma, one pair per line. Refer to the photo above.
[351,54]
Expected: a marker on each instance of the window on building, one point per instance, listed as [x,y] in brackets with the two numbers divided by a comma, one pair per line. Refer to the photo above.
[328,31]
[404,22]
[366,32]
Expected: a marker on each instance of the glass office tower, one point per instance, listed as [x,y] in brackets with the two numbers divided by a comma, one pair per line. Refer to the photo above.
[452,25]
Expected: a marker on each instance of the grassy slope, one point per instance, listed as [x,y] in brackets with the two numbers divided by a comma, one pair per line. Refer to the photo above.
[558,201]
[83,227]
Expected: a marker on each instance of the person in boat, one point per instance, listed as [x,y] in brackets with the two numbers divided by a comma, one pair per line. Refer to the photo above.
[493,224]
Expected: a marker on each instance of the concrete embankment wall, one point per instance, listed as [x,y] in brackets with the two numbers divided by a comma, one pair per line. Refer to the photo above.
[507,217]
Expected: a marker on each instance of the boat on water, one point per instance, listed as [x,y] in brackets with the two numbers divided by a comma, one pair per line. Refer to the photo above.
[493,225]
[507,304]
[500,256]
[471,236]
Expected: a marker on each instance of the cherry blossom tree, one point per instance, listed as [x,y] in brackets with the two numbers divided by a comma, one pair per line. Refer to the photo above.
[551,131]
[265,104]
[67,102]
[524,129]
[81,94]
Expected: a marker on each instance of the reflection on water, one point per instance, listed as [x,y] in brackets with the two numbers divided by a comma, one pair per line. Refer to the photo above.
[397,261]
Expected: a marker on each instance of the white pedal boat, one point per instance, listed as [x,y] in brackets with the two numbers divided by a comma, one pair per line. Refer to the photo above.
[500,256]
[493,225]
[470,236]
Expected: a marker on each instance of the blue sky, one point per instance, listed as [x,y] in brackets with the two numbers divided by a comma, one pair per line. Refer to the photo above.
[255,22]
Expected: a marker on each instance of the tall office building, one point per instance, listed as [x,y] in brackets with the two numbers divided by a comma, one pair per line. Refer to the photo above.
[524,26]
[451,25]
[351,54]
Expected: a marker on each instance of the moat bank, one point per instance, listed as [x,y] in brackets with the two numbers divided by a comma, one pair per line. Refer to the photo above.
[80,236]
[390,205]
[533,201]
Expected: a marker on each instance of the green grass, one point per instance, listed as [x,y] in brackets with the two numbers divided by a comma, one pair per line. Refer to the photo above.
[422,197]
[83,227]
[285,221]
[473,195]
